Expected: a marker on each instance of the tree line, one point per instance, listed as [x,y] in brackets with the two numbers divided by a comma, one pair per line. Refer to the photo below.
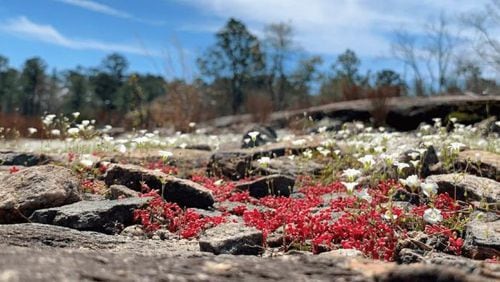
[242,73]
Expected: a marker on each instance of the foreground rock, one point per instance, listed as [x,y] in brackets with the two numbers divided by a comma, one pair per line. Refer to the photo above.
[232,238]
[108,217]
[77,265]
[276,185]
[467,187]
[481,163]
[184,192]
[35,188]
[51,237]
[23,159]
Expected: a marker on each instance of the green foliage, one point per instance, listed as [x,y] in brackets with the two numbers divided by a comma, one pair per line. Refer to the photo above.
[237,56]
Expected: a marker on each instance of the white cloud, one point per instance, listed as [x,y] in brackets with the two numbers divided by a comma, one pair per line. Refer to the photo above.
[107,10]
[331,26]
[24,28]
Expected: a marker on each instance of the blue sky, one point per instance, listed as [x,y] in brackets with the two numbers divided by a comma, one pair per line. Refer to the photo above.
[157,35]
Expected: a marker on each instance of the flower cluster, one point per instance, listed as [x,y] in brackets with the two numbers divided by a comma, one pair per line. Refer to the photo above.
[161,214]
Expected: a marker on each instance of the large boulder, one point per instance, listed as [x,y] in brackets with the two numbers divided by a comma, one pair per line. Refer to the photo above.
[467,187]
[34,188]
[108,216]
[184,192]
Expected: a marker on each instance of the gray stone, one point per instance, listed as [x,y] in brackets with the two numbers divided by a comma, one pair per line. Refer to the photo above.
[232,238]
[184,192]
[35,188]
[22,158]
[121,191]
[467,187]
[286,166]
[480,163]
[276,185]
[51,237]
[482,237]
[108,216]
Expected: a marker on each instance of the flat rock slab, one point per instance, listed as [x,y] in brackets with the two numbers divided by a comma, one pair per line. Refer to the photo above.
[35,188]
[108,216]
[276,185]
[51,237]
[184,192]
[23,159]
[232,238]
[467,187]
[481,163]
[77,265]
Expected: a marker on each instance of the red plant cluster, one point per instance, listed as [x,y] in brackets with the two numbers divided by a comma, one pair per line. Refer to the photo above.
[325,217]
[159,213]
[13,169]
[163,167]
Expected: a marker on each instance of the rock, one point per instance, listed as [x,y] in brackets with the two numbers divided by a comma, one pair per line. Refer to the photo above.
[184,192]
[232,164]
[51,237]
[488,126]
[467,187]
[286,166]
[326,125]
[133,231]
[23,159]
[482,238]
[427,160]
[480,163]
[265,135]
[108,216]
[237,164]
[121,191]
[36,188]
[277,185]
[232,238]
[342,253]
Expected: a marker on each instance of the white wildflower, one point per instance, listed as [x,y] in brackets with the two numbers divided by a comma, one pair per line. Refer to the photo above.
[456,146]
[73,131]
[121,148]
[264,161]
[429,188]
[414,155]
[411,181]
[351,173]
[32,130]
[389,215]
[367,161]
[76,114]
[350,186]
[363,194]
[165,154]
[433,216]
[253,134]
[55,132]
